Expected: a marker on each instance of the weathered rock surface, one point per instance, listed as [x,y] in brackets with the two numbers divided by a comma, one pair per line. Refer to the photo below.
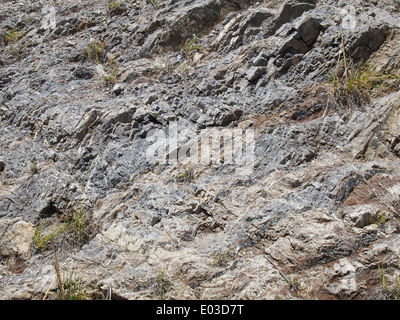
[317,205]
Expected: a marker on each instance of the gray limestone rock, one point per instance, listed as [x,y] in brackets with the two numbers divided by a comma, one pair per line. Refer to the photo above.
[220,159]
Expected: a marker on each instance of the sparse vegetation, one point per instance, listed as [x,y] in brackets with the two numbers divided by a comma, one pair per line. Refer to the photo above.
[161,285]
[74,227]
[60,282]
[192,45]
[353,83]
[33,167]
[70,288]
[157,71]
[188,174]
[73,288]
[17,50]
[294,284]
[154,3]
[95,51]
[183,68]
[77,222]
[263,191]
[112,5]
[390,291]
[171,67]
[378,219]
[14,36]
[110,78]
[357,83]
[42,239]
[221,258]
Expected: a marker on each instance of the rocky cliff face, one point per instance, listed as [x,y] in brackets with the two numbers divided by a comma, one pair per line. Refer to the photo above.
[308,208]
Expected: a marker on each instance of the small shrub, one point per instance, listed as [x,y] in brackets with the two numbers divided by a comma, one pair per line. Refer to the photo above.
[73,288]
[73,228]
[41,239]
[95,51]
[192,45]
[263,191]
[33,167]
[112,5]
[187,176]
[183,68]
[390,291]
[355,86]
[294,284]
[14,36]
[221,258]
[171,67]
[154,3]
[110,78]
[161,285]
[77,222]
[70,288]
[17,50]
[378,219]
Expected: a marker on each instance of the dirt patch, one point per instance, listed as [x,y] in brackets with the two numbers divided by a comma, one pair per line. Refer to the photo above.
[310,105]
[375,191]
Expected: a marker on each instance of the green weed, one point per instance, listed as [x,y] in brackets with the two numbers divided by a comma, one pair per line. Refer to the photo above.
[77,221]
[357,82]
[378,219]
[192,45]
[110,78]
[75,226]
[95,51]
[33,167]
[14,36]
[17,50]
[41,239]
[73,288]
[154,3]
[356,86]
[390,291]
[70,288]
[221,258]
[161,284]
[188,174]
[113,5]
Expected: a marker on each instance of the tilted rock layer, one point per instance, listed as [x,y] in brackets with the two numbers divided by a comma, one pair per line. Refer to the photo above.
[312,213]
